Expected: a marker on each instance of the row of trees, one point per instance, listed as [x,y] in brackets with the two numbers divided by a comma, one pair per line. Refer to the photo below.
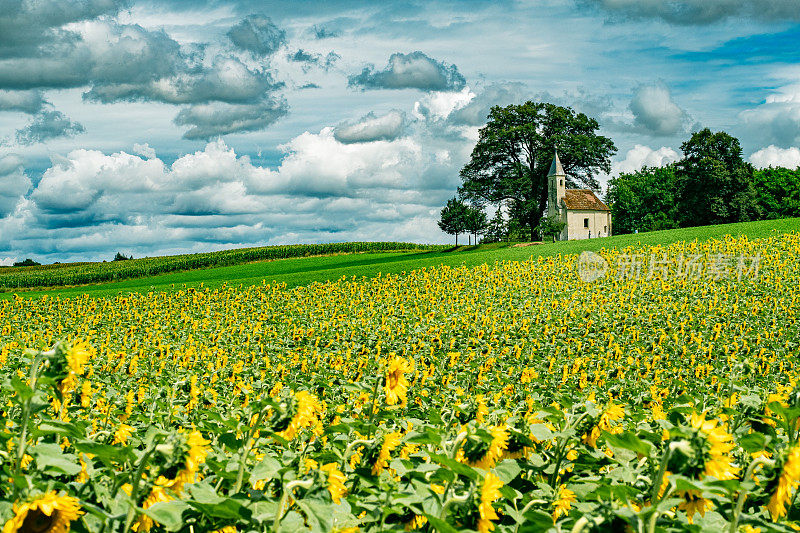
[710,184]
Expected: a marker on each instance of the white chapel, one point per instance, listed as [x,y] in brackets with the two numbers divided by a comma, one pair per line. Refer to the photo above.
[586,216]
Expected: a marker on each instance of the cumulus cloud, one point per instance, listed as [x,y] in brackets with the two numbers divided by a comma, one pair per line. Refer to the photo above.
[219,118]
[370,128]
[777,119]
[322,190]
[25,101]
[258,34]
[697,12]
[14,183]
[144,150]
[410,71]
[46,125]
[76,46]
[322,32]
[773,156]
[643,156]
[477,110]
[656,112]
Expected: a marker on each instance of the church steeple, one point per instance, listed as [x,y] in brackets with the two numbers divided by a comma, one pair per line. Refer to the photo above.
[555,186]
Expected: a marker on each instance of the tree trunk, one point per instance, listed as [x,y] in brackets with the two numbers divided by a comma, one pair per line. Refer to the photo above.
[456,239]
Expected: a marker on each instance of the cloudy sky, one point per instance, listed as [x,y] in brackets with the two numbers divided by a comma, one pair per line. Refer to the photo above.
[168,126]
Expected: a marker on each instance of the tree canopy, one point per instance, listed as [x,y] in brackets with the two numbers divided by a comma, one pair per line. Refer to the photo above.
[515,148]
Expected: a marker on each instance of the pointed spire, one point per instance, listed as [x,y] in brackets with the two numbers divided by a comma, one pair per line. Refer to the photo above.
[555,168]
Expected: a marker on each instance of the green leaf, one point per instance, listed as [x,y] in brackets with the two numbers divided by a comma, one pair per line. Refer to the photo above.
[168,514]
[318,513]
[507,470]
[455,466]
[440,525]
[267,469]
[628,441]
[52,460]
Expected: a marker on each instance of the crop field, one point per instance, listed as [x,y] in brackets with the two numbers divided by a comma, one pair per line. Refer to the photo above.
[60,274]
[508,397]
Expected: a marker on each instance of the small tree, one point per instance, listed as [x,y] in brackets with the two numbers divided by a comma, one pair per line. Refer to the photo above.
[121,257]
[551,226]
[25,263]
[496,228]
[476,221]
[453,218]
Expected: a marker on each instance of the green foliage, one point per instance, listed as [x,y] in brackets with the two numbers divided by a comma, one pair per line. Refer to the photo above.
[514,151]
[778,192]
[476,221]
[714,184]
[496,229]
[122,257]
[643,200]
[551,226]
[27,262]
[453,219]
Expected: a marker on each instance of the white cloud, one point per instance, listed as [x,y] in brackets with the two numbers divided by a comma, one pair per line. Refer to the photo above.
[144,150]
[776,157]
[370,128]
[655,111]
[640,156]
[777,119]
[14,183]
[7,261]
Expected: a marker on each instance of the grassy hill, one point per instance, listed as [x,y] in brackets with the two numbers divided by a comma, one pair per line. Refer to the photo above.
[304,270]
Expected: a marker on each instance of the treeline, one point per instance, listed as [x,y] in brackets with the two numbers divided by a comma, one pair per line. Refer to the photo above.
[82,273]
[710,184]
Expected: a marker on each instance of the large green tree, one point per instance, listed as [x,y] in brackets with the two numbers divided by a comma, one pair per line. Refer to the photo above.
[778,191]
[644,200]
[514,151]
[715,185]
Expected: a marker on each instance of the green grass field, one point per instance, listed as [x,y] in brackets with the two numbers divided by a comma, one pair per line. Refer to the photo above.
[302,271]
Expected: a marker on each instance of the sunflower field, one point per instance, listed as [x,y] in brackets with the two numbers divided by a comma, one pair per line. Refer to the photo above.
[511,397]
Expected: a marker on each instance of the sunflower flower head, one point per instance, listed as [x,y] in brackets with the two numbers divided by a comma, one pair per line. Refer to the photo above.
[705,451]
[693,502]
[490,492]
[396,384]
[390,442]
[48,513]
[477,452]
[787,480]
[336,481]
[563,502]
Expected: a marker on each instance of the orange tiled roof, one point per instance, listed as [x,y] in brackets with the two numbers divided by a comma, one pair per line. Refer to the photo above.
[583,199]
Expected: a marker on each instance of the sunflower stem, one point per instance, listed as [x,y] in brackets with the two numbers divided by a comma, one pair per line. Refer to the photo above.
[26,414]
[248,446]
[662,469]
[289,488]
[374,399]
[743,494]
[135,485]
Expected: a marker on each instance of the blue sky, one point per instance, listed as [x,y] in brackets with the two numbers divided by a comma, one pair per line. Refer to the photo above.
[154,127]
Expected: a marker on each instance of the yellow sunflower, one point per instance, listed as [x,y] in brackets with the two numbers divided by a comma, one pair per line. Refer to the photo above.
[144,522]
[693,502]
[306,415]
[396,385]
[564,500]
[390,442]
[612,413]
[49,513]
[788,480]
[195,456]
[336,481]
[719,463]
[494,452]
[490,492]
